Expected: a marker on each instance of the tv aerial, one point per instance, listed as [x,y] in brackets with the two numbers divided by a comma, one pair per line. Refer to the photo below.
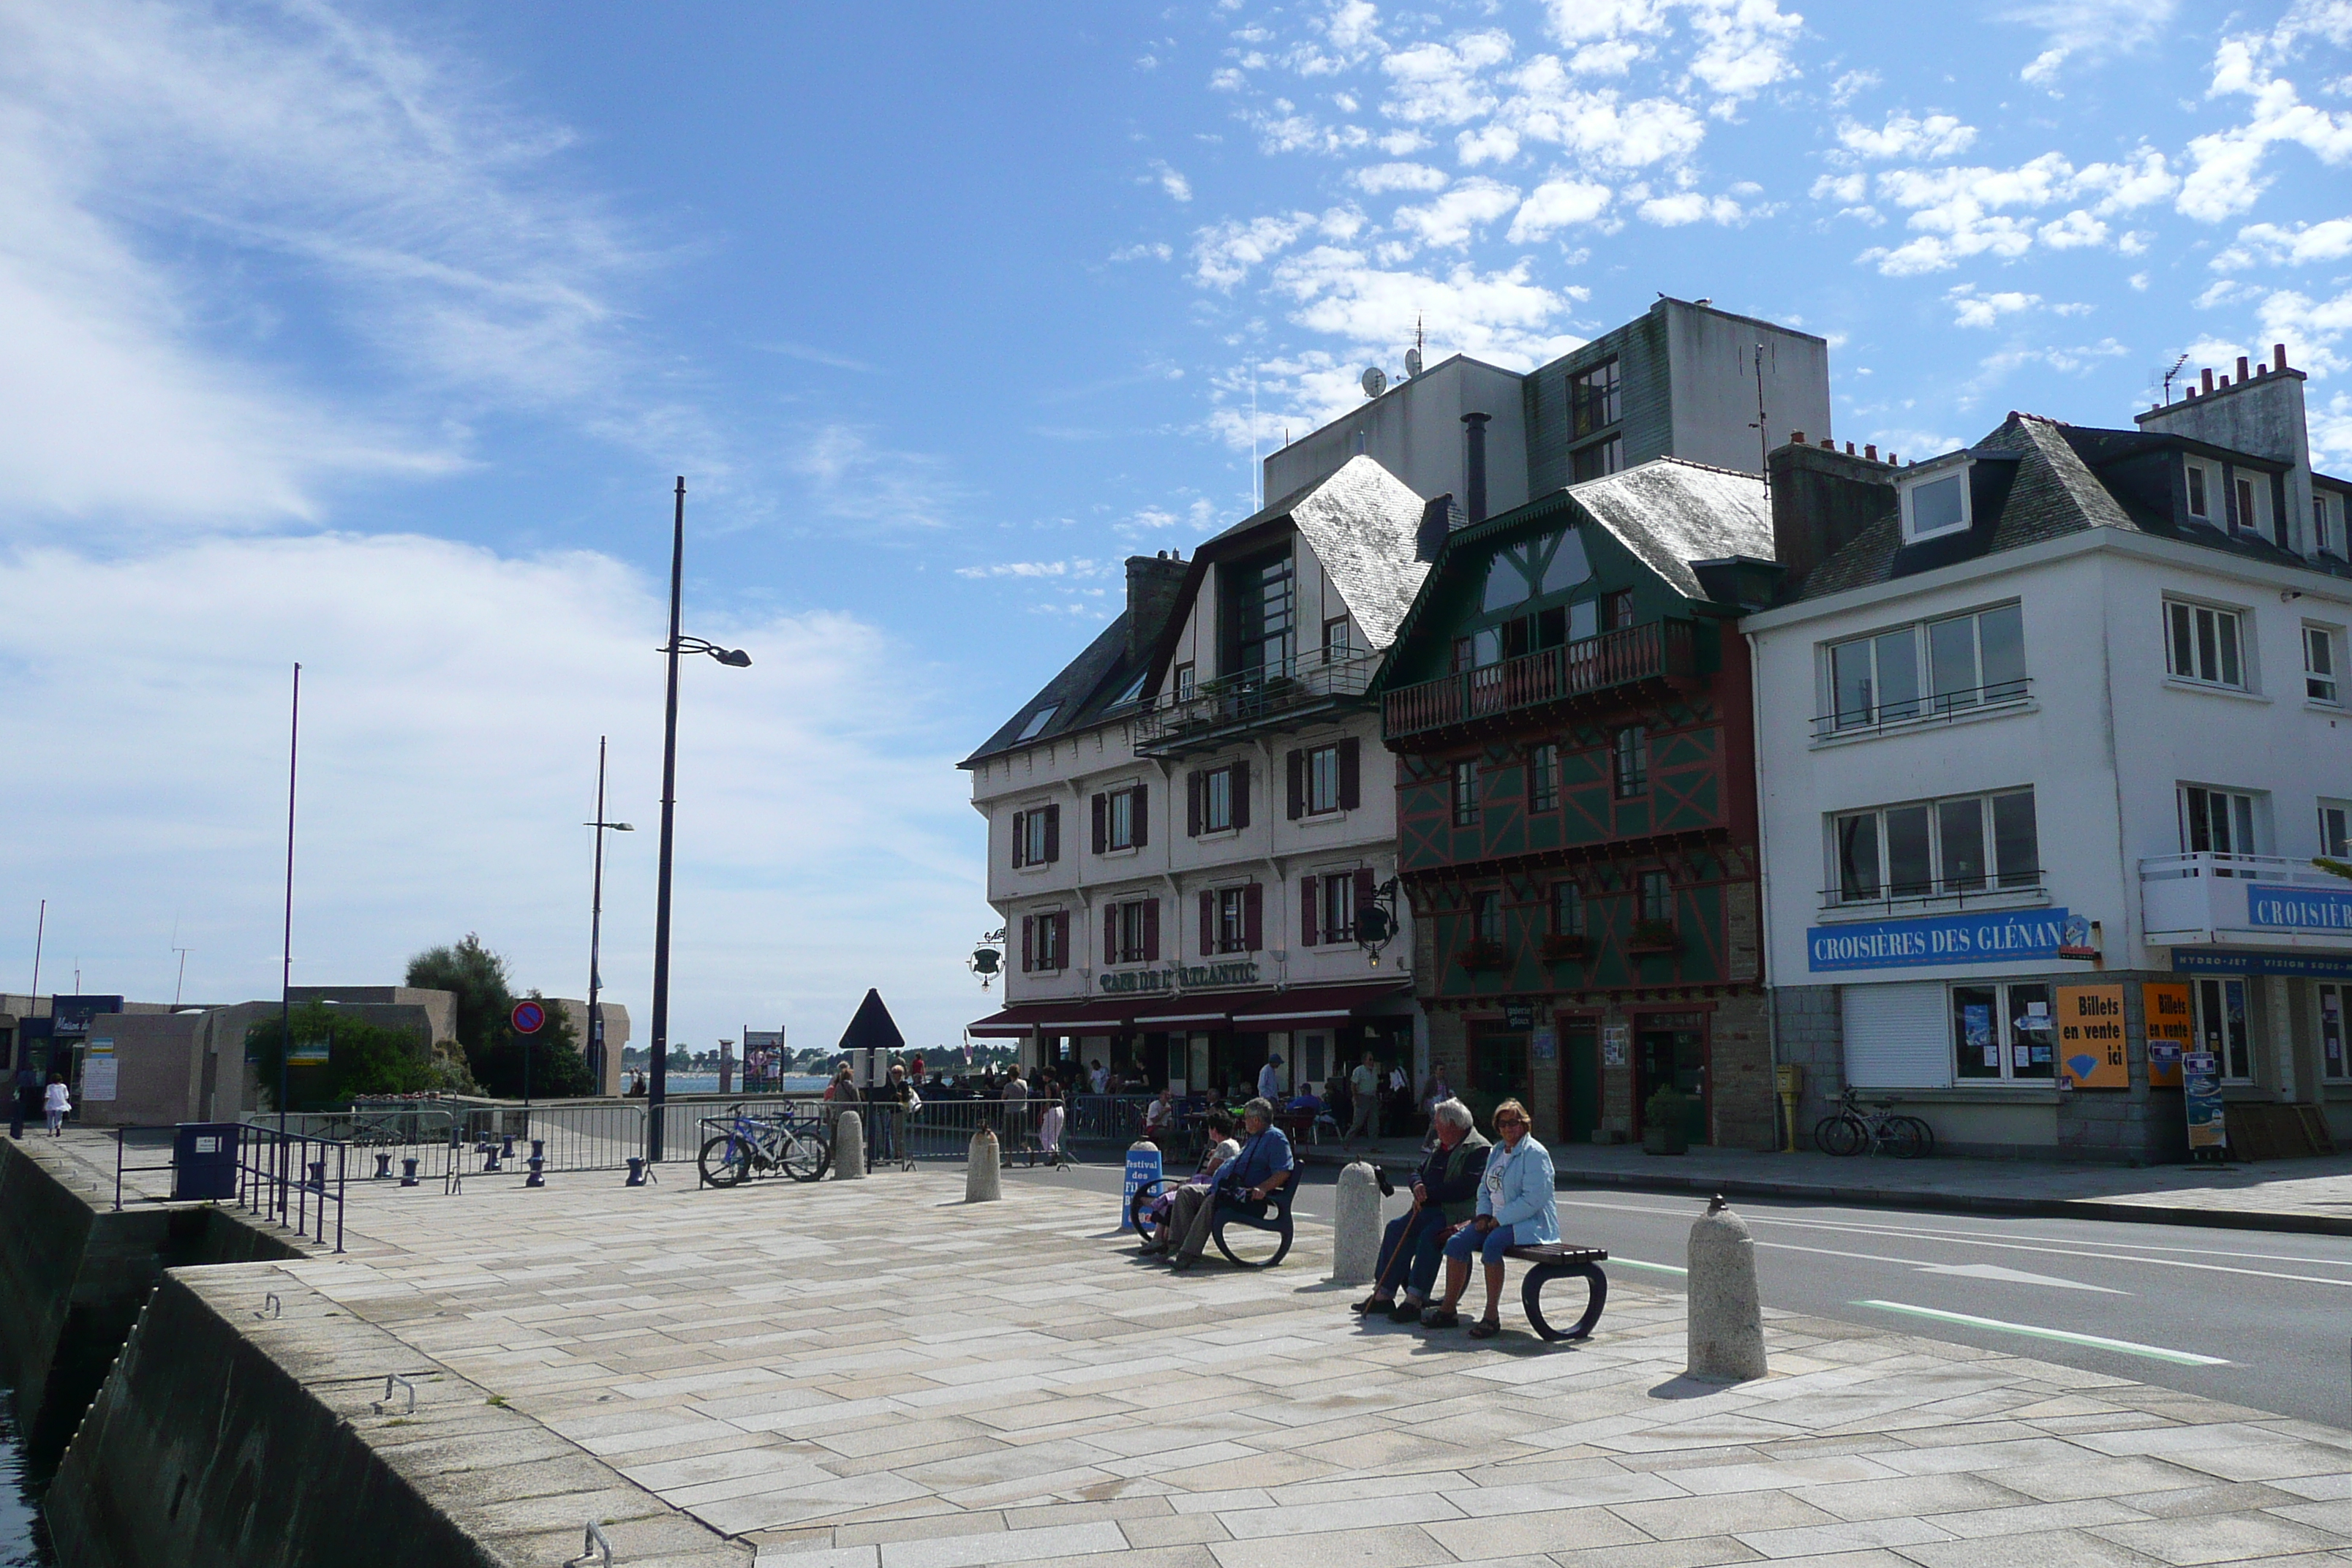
[1376,382]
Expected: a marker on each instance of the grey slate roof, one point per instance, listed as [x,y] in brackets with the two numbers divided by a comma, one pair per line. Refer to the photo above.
[1363,524]
[1086,688]
[1671,513]
[2057,491]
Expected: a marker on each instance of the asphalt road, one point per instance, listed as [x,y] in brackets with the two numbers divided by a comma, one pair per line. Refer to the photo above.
[2255,1318]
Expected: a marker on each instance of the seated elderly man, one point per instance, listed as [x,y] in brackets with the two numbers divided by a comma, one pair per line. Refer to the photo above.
[1245,1180]
[1444,1194]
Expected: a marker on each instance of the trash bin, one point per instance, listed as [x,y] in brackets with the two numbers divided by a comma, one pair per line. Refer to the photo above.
[204,1159]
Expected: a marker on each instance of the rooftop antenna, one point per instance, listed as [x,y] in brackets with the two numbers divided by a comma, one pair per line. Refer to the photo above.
[177,985]
[1412,354]
[1763,436]
[2170,374]
[1258,475]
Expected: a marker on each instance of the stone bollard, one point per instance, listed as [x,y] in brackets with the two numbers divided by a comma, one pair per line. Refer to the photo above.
[1356,1225]
[1726,1314]
[408,1174]
[984,1169]
[848,1147]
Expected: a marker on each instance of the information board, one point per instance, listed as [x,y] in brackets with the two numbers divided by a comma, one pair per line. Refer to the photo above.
[2171,1030]
[99,1072]
[2200,1075]
[2090,1037]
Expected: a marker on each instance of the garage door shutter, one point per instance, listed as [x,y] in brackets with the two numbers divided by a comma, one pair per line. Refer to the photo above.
[1896,1036]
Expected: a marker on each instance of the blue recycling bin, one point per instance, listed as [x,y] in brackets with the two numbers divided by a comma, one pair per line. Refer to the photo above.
[203,1160]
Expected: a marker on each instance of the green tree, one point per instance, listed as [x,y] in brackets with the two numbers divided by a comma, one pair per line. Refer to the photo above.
[558,1070]
[478,979]
[361,1059]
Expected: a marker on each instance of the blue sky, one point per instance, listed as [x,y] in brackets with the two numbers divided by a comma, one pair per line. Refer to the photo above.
[371,335]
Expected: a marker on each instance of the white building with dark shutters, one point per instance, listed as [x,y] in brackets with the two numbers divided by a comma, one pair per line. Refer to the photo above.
[1184,822]
[2049,732]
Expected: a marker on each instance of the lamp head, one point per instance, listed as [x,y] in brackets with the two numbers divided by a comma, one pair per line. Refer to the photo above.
[734,657]
[622,826]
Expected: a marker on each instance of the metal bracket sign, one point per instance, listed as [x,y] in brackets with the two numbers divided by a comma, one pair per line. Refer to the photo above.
[529,1017]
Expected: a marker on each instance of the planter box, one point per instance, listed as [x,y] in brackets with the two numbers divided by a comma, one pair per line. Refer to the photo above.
[1653,937]
[1483,956]
[1562,949]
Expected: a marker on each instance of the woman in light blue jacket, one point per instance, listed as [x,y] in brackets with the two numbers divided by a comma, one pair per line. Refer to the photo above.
[1515,1208]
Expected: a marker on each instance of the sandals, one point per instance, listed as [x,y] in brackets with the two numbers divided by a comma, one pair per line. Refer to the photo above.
[1486,1328]
[1440,1318]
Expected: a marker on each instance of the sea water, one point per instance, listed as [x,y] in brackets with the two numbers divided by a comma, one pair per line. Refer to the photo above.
[24,1540]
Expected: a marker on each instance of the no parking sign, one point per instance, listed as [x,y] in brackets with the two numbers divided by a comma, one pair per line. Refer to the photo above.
[527,1017]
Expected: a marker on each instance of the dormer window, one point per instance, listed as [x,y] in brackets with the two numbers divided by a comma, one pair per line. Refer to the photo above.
[1037,722]
[2198,505]
[1936,503]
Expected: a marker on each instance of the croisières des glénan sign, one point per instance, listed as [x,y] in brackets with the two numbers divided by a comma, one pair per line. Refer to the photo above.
[2005,936]
[2299,908]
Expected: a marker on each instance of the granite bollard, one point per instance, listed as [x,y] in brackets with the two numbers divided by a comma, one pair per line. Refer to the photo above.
[984,1169]
[1727,1311]
[1356,1225]
[849,1147]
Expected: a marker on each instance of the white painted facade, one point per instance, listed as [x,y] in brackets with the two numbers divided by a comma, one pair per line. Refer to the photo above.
[2107,739]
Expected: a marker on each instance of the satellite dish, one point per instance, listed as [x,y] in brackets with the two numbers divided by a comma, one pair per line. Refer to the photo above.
[1375,383]
[1413,362]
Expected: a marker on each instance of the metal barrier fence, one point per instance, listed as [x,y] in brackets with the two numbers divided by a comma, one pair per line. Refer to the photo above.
[286,1177]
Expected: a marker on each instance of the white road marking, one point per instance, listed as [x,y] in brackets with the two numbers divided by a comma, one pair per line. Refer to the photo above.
[1637,1263]
[2013,1277]
[2064,1336]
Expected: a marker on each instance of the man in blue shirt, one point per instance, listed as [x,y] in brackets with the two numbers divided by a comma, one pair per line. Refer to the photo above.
[1247,1180]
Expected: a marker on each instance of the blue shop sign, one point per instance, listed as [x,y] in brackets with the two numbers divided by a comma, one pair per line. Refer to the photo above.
[2226,960]
[2007,936]
[2299,908]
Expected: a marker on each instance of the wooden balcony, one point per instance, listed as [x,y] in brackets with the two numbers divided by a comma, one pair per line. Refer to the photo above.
[1578,672]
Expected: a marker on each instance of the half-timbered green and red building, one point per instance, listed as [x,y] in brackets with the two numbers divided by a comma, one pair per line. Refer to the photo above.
[1568,703]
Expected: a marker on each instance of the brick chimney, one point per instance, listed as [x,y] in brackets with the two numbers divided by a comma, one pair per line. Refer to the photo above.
[1153,583]
[1820,499]
[2258,414]
[1474,465]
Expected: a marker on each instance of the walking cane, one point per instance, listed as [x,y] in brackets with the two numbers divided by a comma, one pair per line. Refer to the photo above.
[1380,1286]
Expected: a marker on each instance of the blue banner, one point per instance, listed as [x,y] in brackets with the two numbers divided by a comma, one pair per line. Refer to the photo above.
[2005,936]
[2299,908]
[2221,961]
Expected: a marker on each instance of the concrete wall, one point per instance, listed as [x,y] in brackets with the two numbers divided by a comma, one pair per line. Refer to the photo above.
[1711,359]
[431,1015]
[616,1033]
[159,1070]
[1414,431]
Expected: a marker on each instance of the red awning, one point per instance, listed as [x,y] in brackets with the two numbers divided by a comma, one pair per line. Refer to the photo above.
[1311,1006]
[1071,1018]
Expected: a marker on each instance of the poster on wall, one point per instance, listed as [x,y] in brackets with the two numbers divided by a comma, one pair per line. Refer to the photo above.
[99,1072]
[1546,1046]
[2171,1030]
[2201,1077]
[1613,1045]
[1975,1033]
[2090,1037]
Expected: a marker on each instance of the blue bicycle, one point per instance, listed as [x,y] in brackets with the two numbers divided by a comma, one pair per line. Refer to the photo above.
[790,1142]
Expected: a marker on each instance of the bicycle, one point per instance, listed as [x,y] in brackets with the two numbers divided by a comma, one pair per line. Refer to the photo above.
[1850,1128]
[798,1144]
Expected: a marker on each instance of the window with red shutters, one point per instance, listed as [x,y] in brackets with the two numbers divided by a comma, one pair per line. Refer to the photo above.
[1366,890]
[1195,786]
[1150,931]
[1020,838]
[1310,916]
[1028,942]
[1110,931]
[1241,795]
[1253,918]
[1351,774]
[1298,785]
[1052,835]
[1102,823]
[1208,924]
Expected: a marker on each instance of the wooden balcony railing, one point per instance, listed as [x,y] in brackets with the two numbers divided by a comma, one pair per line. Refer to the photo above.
[1659,649]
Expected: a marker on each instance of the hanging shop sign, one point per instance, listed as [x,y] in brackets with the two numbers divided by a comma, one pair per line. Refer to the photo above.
[2090,1037]
[1187,977]
[2004,936]
[2171,1030]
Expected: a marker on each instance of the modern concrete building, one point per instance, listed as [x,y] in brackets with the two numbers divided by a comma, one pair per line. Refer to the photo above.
[1185,822]
[2049,730]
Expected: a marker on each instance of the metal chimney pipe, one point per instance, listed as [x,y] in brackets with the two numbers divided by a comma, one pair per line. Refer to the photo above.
[1474,486]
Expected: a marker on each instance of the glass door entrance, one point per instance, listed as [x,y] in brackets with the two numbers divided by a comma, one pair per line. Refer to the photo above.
[1672,1050]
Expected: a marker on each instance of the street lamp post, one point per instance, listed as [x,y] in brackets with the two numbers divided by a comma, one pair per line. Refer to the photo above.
[596,925]
[656,1088]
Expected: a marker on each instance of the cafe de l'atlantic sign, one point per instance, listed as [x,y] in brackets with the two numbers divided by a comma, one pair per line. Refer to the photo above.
[1181,976]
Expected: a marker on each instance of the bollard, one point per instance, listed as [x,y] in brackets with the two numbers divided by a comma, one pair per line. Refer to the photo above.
[538,1147]
[318,1182]
[537,1178]
[984,1169]
[506,1148]
[383,1168]
[1356,1225]
[490,1164]
[849,1147]
[408,1174]
[636,1171]
[1726,1314]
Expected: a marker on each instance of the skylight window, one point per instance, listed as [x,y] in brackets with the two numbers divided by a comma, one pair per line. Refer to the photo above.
[1937,503]
[1037,721]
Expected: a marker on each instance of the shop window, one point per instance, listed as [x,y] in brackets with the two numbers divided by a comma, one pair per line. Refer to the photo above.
[2221,1028]
[2331,1030]
[2003,1033]
[1543,778]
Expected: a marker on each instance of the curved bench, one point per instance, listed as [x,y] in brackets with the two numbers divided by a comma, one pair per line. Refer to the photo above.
[1560,1260]
[1275,1221]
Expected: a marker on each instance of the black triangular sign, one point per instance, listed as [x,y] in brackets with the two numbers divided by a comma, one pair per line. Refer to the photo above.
[873,1027]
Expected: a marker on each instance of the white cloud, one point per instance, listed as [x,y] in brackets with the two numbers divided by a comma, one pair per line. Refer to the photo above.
[1974,310]
[1451,219]
[1503,317]
[2296,247]
[2312,329]
[1444,84]
[1936,136]
[432,231]
[1379,179]
[1178,188]
[1556,205]
[1956,212]
[1159,250]
[1598,125]
[1079,568]
[851,476]
[1224,253]
[1689,207]
[452,700]
[2226,173]
[1747,46]
[2091,28]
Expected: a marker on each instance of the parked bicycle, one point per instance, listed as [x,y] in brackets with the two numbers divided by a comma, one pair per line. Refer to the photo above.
[793,1143]
[1852,1128]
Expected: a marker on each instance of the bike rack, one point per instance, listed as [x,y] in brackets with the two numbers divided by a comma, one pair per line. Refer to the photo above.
[595,1541]
[270,1306]
[390,1378]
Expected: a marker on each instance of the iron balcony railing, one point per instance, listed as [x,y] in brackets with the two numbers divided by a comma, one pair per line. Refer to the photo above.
[1941,893]
[1938,708]
[1219,708]
[1583,669]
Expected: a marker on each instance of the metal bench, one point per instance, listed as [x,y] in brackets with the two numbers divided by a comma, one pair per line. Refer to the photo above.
[1275,1222]
[1558,1260]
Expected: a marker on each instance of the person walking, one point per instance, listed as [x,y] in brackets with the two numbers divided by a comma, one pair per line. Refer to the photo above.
[1515,1208]
[55,1104]
[1364,1088]
[1269,1080]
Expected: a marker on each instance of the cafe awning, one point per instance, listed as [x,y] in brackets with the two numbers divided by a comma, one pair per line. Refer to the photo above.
[1314,1006]
[1069,1017]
